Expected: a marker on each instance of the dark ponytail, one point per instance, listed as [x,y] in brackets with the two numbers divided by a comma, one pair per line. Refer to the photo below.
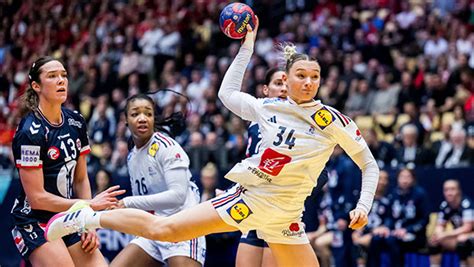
[30,99]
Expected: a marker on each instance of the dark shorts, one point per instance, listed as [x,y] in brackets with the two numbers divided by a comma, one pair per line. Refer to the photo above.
[253,240]
[28,237]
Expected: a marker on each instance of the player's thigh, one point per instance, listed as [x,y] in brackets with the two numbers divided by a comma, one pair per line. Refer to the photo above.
[194,222]
[268,260]
[51,254]
[294,255]
[82,258]
[182,261]
[133,255]
[249,255]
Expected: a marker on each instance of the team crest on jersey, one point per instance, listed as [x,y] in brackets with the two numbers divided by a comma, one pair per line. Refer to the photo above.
[239,211]
[53,153]
[153,149]
[323,118]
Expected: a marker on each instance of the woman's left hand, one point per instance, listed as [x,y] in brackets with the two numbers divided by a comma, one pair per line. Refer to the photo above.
[90,241]
[358,219]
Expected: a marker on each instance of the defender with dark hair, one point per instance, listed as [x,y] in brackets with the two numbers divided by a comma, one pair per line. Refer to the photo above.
[50,148]
[161,183]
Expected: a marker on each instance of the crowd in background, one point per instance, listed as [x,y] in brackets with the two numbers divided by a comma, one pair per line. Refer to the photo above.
[402,69]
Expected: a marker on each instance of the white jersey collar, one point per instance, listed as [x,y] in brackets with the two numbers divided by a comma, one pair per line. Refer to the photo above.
[313,103]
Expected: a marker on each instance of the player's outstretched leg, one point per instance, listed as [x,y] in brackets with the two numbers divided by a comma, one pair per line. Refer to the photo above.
[190,223]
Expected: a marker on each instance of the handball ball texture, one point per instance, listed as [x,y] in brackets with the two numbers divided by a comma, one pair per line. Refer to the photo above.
[234,19]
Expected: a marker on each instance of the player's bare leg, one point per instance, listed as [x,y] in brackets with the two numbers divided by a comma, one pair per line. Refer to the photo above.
[133,255]
[248,255]
[294,255]
[268,259]
[51,254]
[182,261]
[194,222]
[82,258]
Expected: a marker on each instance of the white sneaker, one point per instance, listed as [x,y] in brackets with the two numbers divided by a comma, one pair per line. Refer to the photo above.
[71,221]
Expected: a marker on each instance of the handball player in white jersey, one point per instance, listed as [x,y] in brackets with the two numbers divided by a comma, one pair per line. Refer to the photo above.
[160,179]
[298,136]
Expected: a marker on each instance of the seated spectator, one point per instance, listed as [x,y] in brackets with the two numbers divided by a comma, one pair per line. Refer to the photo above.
[385,98]
[383,152]
[405,227]
[209,181]
[377,217]
[457,154]
[457,209]
[410,154]
[359,100]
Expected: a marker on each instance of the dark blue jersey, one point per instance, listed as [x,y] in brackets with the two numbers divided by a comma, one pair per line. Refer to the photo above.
[457,216]
[254,139]
[378,215]
[55,149]
[409,210]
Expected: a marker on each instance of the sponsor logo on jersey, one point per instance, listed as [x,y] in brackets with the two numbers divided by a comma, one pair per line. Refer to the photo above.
[239,211]
[30,155]
[260,174]
[293,230]
[73,122]
[272,162]
[34,128]
[53,153]
[153,149]
[273,119]
[323,118]
[78,144]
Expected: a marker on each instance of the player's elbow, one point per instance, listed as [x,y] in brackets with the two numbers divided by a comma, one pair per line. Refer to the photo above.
[38,201]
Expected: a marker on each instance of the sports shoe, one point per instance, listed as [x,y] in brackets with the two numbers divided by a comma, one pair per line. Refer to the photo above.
[71,221]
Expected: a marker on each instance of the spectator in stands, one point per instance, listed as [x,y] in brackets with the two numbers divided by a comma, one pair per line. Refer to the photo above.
[458,154]
[457,209]
[410,154]
[405,228]
[385,98]
[360,99]
[102,181]
[209,181]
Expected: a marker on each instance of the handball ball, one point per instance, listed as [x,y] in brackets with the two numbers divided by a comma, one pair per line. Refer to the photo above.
[234,19]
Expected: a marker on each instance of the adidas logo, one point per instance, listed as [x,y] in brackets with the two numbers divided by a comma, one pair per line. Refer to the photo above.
[34,128]
[273,119]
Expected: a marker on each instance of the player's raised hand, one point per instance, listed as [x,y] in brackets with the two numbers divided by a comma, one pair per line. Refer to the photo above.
[107,198]
[251,36]
[358,219]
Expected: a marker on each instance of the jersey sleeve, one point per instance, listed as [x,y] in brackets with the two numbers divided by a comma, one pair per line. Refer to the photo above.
[27,149]
[442,214]
[169,153]
[344,131]
[240,103]
[467,210]
[83,135]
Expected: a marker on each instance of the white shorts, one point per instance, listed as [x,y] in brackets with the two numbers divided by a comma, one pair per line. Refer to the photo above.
[161,251]
[244,212]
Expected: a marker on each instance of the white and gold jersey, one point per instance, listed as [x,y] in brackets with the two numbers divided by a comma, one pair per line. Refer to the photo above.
[147,167]
[297,142]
